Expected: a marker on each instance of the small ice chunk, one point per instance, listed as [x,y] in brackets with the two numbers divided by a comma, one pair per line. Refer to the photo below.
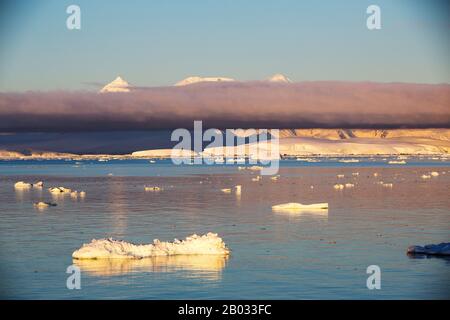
[22,185]
[38,184]
[42,204]
[434,174]
[348,160]
[432,249]
[299,206]
[57,190]
[152,189]
[397,162]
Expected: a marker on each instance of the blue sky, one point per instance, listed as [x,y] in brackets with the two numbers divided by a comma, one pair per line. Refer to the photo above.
[157,43]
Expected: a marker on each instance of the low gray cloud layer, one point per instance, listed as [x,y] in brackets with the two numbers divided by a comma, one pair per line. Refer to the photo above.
[232,105]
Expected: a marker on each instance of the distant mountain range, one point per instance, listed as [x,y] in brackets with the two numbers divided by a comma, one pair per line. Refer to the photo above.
[121,85]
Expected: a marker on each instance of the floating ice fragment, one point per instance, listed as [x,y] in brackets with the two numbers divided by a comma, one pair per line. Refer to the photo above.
[349,185]
[152,188]
[348,160]
[42,204]
[209,243]
[22,185]
[38,184]
[397,162]
[432,249]
[434,174]
[57,190]
[299,206]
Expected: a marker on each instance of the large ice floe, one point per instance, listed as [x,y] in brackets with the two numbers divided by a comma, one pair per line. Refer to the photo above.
[209,243]
[441,249]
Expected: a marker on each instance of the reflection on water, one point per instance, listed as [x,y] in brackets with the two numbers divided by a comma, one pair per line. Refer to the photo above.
[20,194]
[421,256]
[208,267]
[117,202]
[302,213]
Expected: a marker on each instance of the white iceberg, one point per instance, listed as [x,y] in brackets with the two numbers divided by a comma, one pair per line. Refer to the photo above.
[58,190]
[397,162]
[299,206]
[349,185]
[348,160]
[295,209]
[22,185]
[152,188]
[209,243]
[42,204]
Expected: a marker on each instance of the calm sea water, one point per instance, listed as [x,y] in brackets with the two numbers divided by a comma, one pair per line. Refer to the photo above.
[274,255]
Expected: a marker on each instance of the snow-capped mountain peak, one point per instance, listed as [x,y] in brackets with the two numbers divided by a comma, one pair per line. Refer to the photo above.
[192,80]
[117,85]
[279,78]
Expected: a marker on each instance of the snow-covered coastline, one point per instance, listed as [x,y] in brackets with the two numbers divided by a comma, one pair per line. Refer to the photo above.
[299,143]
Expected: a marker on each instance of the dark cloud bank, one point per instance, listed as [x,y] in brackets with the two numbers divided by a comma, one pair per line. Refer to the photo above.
[231,105]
